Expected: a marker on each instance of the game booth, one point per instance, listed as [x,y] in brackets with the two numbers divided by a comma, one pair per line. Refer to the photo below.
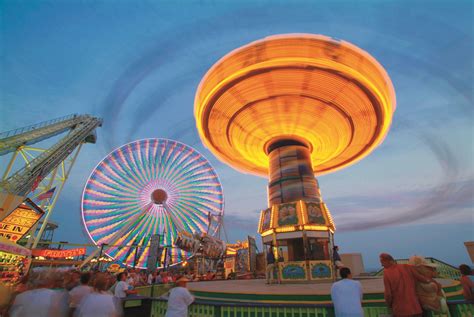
[302,236]
[241,259]
[15,261]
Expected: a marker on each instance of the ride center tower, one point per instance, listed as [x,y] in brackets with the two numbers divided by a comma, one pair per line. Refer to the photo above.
[289,107]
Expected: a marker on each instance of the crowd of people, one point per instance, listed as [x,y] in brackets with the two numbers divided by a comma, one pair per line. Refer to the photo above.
[409,289]
[60,293]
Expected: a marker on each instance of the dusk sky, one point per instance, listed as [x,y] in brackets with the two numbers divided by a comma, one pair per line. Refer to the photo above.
[137,65]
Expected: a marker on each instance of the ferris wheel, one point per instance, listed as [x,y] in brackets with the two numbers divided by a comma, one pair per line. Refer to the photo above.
[147,187]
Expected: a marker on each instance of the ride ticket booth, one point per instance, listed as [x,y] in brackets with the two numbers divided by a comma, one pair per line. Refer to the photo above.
[302,236]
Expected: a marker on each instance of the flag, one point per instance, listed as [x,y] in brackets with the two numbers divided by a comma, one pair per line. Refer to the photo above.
[36,183]
[46,195]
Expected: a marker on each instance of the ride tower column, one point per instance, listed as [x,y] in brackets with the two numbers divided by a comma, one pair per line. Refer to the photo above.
[291,176]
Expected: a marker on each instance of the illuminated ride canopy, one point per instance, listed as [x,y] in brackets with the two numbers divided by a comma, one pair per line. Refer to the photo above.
[326,95]
[147,187]
[291,106]
[288,107]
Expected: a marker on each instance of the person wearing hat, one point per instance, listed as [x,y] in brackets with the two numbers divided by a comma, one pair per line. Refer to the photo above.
[399,287]
[179,299]
[430,294]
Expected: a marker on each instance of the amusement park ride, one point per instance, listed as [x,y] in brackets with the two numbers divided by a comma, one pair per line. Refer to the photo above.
[44,169]
[288,107]
[153,187]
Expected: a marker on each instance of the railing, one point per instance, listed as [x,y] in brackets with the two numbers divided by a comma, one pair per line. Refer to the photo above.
[155,290]
[444,270]
[35,126]
[373,305]
[217,309]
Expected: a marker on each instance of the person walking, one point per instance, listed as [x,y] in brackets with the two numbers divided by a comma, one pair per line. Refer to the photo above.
[399,283]
[270,265]
[179,299]
[41,300]
[346,295]
[100,303]
[79,292]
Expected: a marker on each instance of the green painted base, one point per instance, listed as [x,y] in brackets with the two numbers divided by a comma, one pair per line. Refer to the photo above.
[256,291]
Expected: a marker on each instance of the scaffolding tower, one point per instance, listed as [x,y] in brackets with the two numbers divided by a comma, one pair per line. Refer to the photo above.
[44,169]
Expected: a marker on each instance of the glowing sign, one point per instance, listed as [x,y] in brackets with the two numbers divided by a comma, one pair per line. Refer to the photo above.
[20,221]
[49,253]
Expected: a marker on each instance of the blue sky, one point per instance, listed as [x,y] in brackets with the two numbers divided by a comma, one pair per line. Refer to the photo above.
[137,65]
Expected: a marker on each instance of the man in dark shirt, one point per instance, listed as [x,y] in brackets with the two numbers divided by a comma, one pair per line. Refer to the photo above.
[271,266]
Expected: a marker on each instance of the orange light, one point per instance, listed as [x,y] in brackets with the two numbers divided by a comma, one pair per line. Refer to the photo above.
[303,211]
[260,221]
[315,228]
[272,214]
[332,225]
[286,229]
[266,233]
[330,93]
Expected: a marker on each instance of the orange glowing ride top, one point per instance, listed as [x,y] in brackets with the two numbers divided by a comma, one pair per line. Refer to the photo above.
[326,93]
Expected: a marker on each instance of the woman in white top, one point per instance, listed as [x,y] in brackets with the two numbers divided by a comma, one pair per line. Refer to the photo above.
[122,288]
[100,303]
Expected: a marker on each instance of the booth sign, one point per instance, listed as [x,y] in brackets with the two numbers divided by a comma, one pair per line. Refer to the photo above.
[50,253]
[20,221]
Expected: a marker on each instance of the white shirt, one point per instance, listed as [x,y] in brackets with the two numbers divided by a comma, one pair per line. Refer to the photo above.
[99,305]
[120,289]
[41,302]
[130,280]
[179,300]
[150,279]
[78,293]
[346,296]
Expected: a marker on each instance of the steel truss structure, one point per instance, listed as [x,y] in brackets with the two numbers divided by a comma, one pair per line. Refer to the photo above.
[44,169]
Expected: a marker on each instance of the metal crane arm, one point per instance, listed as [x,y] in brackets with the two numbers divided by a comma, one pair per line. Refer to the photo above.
[11,140]
[21,182]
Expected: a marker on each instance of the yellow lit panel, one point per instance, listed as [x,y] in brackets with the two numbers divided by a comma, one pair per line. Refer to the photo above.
[330,93]
[315,228]
[286,229]
[266,233]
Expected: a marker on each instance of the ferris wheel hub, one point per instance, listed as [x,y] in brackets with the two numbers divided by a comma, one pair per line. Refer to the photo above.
[159,196]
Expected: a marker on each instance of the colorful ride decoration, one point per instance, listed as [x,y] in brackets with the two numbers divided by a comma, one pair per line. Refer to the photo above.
[147,187]
[208,246]
[288,107]
[241,258]
[114,267]
[301,234]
